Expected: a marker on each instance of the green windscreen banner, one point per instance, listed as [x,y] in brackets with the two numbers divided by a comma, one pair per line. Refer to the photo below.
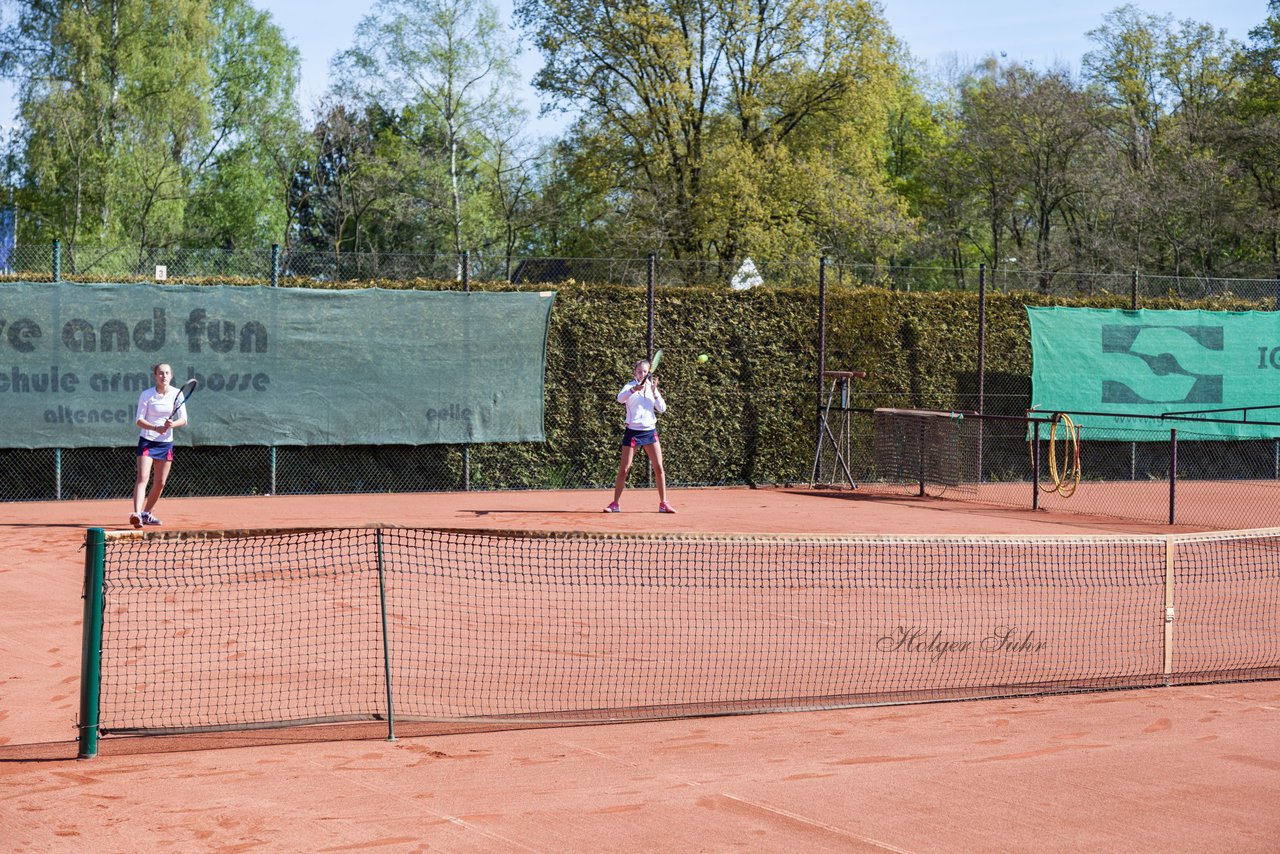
[276,366]
[1149,362]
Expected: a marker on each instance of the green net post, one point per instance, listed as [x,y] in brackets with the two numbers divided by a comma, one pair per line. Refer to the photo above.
[91,651]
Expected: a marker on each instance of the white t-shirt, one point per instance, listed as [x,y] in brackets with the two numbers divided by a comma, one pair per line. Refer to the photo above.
[643,408]
[154,408]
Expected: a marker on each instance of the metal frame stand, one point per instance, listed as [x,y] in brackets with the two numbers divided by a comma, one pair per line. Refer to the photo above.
[839,437]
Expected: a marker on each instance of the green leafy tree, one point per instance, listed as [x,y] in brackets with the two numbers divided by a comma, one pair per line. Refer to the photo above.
[1198,63]
[1031,136]
[1254,127]
[110,96]
[239,195]
[1126,67]
[131,106]
[574,217]
[932,171]
[705,121]
[1170,88]
[336,188]
[446,67]
[513,170]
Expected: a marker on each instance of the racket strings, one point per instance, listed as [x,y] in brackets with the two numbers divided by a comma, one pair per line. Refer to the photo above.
[653,366]
[184,392]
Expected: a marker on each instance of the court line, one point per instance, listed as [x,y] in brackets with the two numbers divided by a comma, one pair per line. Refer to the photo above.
[418,806]
[805,820]
[1245,703]
[830,828]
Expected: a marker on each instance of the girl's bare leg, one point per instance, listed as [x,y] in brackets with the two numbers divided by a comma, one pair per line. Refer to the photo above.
[140,482]
[624,468]
[157,483]
[659,474]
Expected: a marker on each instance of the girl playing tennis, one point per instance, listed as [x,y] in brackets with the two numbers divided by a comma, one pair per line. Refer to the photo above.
[644,404]
[155,444]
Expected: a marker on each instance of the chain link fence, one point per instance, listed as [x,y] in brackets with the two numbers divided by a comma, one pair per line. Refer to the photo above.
[284,266]
[581,432]
[580,452]
[1161,474]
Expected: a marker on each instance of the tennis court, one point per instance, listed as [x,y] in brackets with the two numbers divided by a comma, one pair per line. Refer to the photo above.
[1186,768]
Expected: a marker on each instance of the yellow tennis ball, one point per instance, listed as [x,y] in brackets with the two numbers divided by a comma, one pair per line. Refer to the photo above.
[703,357]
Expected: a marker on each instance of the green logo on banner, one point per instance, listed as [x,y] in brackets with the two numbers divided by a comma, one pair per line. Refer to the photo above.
[1164,351]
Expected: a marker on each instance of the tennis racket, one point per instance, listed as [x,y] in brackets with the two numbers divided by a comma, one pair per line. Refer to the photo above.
[653,365]
[188,389]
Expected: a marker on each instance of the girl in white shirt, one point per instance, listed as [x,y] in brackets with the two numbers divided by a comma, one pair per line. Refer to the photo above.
[644,404]
[156,421]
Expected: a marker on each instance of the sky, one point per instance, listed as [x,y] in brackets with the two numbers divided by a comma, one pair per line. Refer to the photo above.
[1045,34]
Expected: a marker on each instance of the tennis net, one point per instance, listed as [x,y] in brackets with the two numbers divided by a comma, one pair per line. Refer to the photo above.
[1163,472]
[927,450]
[204,631]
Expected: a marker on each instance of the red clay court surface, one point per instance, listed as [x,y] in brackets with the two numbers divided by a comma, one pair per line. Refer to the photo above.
[1192,768]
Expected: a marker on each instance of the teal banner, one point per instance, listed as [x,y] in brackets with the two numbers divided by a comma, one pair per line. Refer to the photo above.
[277,366]
[1151,362]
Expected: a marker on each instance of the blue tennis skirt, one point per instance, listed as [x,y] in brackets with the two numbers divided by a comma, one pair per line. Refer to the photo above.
[155,450]
[638,438]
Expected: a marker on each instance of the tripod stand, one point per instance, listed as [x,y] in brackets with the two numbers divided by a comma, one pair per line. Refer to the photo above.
[839,437]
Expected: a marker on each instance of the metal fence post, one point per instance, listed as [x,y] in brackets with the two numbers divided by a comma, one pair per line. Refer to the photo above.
[1133,304]
[1173,476]
[275,283]
[651,280]
[982,359]
[1035,465]
[822,353]
[57,260]
[982,338]
[466,448]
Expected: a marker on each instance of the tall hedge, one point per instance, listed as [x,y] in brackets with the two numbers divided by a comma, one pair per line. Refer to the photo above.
[749,413]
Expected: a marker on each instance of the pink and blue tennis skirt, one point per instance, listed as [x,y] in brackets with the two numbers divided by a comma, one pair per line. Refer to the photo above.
[638,438]
[155,450]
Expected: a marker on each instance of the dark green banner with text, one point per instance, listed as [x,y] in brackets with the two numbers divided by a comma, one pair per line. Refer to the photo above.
[277,366]
[1150,362]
